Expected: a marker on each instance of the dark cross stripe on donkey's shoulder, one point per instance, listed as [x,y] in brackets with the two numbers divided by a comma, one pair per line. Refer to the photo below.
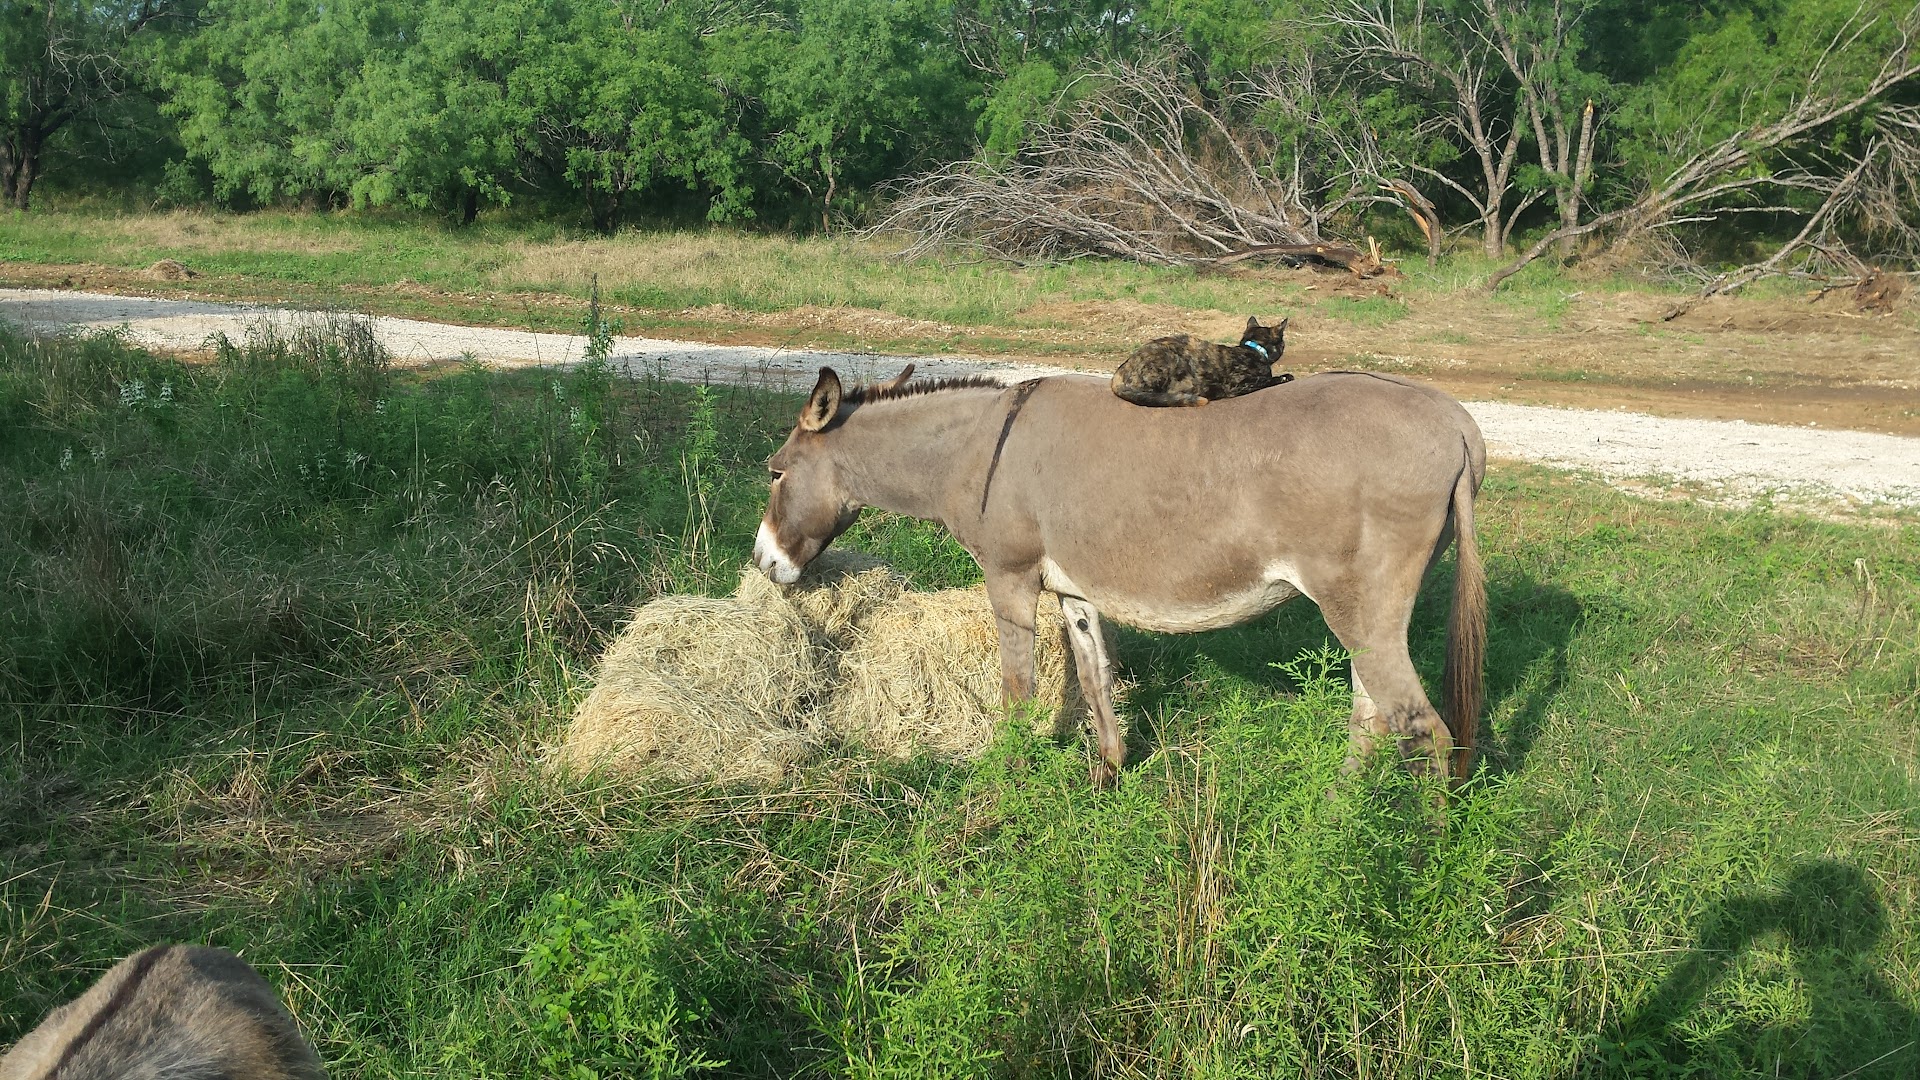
[1184,370]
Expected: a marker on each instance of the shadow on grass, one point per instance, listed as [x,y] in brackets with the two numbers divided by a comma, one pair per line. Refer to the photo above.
[1854,1025]
[1529,624]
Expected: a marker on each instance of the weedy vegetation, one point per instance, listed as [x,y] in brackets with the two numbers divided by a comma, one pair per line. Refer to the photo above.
[283,636]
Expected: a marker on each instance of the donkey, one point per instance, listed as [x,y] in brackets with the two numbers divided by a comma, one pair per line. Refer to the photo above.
[1344,487]
[169,1011]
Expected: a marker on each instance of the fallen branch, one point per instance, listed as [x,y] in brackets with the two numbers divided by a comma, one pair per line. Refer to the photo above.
[1360,263]
[1143,168]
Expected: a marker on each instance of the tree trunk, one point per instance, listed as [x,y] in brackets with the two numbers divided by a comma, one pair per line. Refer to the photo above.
[1423,213]
[605,208]
[1361,263]
[20,184]
[1581,165]
[826,204]
[469,206]
[1493,239]
[19,167]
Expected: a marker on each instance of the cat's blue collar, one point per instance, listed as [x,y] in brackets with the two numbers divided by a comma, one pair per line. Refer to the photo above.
[1257,347]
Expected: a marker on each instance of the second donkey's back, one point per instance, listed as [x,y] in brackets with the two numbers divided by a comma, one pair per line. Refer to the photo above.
[170,1011]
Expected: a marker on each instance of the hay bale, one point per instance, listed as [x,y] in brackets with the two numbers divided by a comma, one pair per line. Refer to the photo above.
[698,688]
[923,675]
[748,686]
[835,593]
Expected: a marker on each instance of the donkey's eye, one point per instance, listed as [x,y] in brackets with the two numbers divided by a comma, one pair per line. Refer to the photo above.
[774,475]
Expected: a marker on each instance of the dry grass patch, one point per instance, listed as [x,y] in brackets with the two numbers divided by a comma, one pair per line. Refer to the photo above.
[215,233]
[711,261]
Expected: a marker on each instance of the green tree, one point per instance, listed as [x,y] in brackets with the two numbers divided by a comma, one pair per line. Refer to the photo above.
[60,62]
[258,92]
[1746,64]
[434,123]
[622,99]
[860,92]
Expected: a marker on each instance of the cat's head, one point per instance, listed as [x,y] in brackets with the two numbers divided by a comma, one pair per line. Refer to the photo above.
[1273,339]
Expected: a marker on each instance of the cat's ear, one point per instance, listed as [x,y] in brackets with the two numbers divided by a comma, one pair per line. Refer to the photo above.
[823,404]
[1253,323]
[1281,327]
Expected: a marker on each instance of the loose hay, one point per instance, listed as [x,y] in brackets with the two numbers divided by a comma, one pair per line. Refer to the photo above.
[748,686]
[923,675]
[838,590]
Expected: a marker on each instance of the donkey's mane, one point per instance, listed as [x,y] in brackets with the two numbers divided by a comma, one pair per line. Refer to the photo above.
[861,395]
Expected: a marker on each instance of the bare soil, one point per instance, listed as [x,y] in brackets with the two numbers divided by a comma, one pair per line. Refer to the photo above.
[1799,359]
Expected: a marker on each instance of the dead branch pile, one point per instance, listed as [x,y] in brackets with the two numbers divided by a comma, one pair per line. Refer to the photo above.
[1847,164]
[749,686]
[1140,168]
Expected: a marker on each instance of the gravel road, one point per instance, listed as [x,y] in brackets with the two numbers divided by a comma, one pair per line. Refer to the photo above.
[1720,460]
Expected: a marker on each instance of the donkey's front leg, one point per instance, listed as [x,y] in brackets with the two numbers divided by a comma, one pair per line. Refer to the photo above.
[1013,596]
[1096,686]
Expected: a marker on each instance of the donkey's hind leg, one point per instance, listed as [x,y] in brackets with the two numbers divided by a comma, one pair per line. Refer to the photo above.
[1096,685]
[1389,704]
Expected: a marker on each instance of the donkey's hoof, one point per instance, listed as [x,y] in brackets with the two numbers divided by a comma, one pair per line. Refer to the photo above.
[1104,775]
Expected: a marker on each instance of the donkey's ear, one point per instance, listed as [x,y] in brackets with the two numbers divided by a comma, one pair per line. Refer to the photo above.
[823,403]
[897,381]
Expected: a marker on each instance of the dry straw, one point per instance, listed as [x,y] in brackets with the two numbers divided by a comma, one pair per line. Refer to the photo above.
[746,687]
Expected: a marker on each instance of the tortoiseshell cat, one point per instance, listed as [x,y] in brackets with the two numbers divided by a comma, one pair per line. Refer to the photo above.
[1183,370]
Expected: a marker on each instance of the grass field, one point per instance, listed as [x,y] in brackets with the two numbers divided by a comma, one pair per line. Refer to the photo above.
[321,258]
[1584,337]
[282,636]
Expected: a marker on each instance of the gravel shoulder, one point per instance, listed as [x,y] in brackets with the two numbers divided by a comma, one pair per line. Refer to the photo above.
[1727,461]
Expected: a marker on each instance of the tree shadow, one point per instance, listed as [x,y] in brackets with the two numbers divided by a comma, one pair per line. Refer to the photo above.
[1856,1025]
[1529,624]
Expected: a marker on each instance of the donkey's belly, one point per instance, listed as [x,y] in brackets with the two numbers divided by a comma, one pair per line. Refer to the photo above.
[1182,611]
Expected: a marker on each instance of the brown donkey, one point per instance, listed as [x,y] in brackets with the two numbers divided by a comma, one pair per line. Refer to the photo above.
[169,1011]
[1344,487]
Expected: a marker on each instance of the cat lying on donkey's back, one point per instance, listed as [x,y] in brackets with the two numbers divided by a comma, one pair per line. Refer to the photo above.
[1184,370]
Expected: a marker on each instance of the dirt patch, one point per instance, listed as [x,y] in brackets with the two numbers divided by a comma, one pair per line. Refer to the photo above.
[857,322]
[1120,324]
[168,270]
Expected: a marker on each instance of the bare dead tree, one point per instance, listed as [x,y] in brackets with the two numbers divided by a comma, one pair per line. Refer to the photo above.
[1456,61]
[1790,166]
[1337,154]
[1141,168]
[1536,41]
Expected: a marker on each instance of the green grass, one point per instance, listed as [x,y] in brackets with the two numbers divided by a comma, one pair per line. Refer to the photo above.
[281,638]
[318,256]
[508,269]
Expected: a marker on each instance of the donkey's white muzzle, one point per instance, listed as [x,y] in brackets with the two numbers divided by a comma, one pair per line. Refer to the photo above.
[772,561]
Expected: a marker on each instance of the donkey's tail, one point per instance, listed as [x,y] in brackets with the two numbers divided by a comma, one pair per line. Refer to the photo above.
[1466,629]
